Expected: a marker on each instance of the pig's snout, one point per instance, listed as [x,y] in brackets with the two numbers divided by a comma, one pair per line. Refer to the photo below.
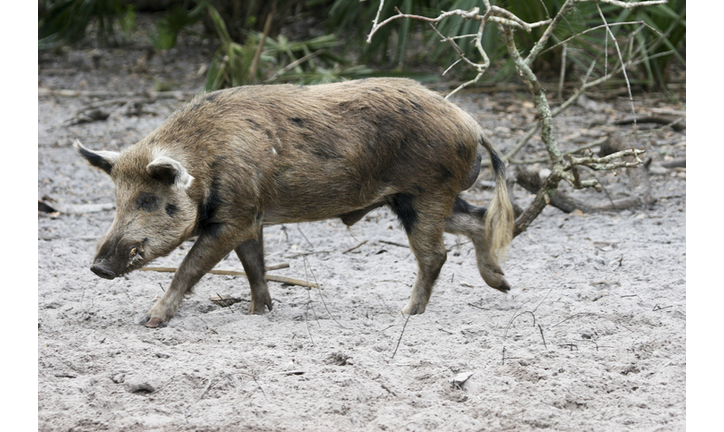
[101,270]
[114,260]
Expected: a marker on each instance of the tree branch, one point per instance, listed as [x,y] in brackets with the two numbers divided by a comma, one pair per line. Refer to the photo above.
[563,167]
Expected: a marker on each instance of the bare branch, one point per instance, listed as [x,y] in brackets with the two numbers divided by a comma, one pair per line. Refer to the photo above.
[480,67]
[465,84]
[376,20]
[565,41]
[512,20]
[451,66]
[538,47]
[471,14]
[629,5]
[610,162]
[591,144]
[562,80]
[541,102]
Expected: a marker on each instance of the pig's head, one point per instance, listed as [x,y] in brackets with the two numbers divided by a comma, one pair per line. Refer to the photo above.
[154,213]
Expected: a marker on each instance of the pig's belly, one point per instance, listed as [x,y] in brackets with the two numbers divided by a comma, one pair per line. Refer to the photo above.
[326,203]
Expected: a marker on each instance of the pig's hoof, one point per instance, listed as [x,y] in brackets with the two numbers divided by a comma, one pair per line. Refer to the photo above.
[413,309]
[260,304]
[503,286]
[493,276]
[499,283]
[256,310]
[153,322]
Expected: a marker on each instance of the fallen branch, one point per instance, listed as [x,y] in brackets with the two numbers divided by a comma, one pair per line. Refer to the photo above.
[676,163]
[676,124]
[610,161]
[593,143]
[355,247]
[225,301]
[640,186]
[87,116]
[394,243]
[272,278]
[400,338]
[532,180]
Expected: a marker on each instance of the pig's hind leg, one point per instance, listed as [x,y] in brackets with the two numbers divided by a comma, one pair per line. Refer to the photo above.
[469,221]
[251,254]
[423,218]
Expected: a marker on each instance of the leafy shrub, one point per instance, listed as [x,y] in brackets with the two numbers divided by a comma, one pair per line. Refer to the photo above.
[67,20]
[178,18]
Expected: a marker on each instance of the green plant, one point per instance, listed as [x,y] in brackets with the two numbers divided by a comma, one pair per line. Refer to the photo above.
[67,20]
[321,75]
[662,39]
[231,63]
[265,58]
[178,18]
[127,19]
[305,55]
[243,17]
[649,36]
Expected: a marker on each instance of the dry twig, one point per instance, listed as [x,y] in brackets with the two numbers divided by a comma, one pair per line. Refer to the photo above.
[400,338]
[273,278]
[355,247]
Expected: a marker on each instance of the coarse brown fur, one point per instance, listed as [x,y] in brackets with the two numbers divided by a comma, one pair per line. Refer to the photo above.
[234,160]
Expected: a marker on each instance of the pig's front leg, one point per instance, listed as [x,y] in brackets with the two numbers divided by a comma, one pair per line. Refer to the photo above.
[251,254]
[207,251]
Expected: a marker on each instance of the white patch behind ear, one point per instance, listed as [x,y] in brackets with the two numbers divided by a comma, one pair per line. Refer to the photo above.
[170,166]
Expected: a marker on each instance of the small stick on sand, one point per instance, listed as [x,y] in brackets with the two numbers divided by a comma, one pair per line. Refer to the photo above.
[273,278]
[394,243]
[400,339]
[354,247]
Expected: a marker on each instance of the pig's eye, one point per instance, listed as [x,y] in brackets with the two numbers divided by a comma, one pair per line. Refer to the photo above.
[147,202]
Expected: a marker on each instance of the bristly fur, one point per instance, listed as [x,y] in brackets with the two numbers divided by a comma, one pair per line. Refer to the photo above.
[234,160]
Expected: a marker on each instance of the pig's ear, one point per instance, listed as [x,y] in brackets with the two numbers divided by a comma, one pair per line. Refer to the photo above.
[170,171]
[99,159]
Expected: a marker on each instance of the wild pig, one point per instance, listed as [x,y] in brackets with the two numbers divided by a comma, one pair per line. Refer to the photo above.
[234,160]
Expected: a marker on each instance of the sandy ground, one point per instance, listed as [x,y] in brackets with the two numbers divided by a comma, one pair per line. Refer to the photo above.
[591,337]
